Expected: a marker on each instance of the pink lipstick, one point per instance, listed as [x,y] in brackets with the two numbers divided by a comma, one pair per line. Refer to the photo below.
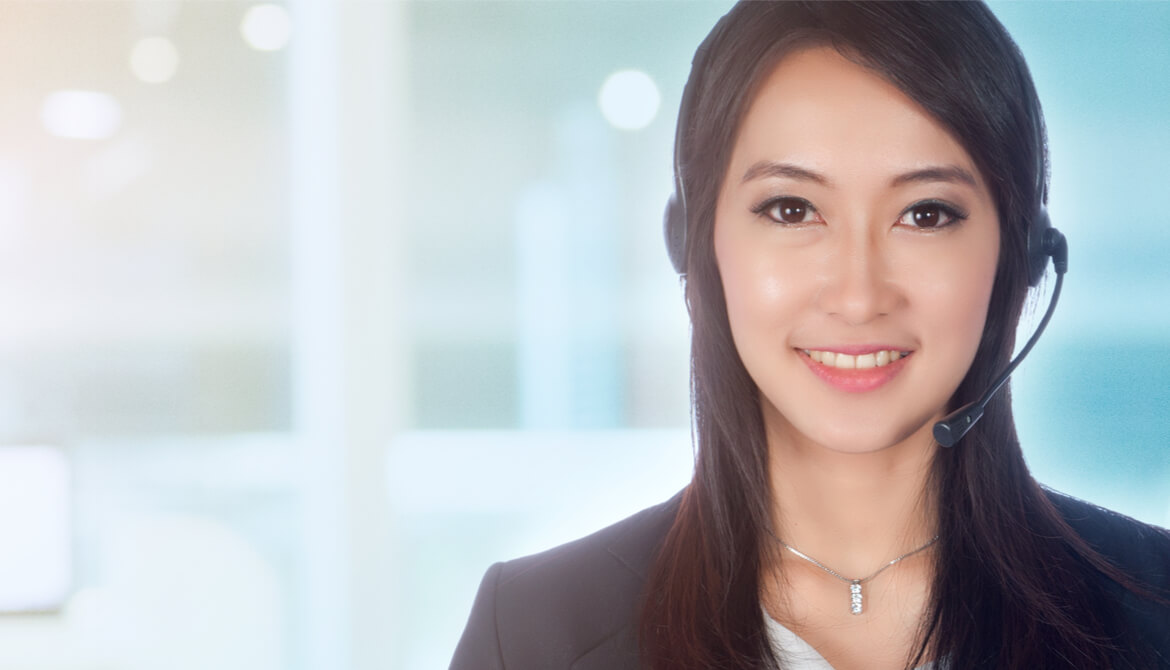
[857,379]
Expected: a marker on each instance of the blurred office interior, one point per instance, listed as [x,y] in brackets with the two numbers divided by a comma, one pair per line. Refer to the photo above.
[315,309]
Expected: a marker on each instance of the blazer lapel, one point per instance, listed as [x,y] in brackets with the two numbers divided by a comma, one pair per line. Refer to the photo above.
[619,651]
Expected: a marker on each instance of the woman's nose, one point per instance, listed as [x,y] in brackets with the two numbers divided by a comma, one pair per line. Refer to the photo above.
[858,286]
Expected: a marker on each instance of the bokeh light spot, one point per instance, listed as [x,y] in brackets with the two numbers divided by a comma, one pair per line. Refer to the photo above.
[266,27]
[154,60]
[84,115]
[629,99]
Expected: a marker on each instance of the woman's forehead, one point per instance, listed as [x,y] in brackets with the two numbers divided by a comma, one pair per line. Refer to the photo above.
[821,111]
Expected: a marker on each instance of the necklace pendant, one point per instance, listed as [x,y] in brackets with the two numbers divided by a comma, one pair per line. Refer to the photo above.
[855,596]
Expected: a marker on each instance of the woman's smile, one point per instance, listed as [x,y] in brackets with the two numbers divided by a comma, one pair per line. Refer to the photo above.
[856,372]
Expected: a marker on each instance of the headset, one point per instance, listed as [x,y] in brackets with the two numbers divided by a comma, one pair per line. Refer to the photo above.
[1043,242]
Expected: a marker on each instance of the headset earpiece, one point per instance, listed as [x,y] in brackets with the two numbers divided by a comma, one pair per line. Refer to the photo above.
[1044,242]
[674,226]
[1037,254]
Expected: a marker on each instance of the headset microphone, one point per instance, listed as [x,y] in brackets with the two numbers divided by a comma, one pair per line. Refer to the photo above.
[1051,244]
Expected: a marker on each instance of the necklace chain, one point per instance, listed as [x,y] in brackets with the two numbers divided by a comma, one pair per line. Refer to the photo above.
[855,596]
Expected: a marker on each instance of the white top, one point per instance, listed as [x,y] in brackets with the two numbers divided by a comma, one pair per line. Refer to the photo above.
[796,654]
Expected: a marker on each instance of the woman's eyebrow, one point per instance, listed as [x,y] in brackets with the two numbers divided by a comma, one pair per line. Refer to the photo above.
[940,173]
[764,169]
[944,173]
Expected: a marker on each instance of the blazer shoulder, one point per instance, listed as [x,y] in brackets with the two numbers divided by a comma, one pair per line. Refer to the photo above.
[551,609]
[1139,549]
[1142,552]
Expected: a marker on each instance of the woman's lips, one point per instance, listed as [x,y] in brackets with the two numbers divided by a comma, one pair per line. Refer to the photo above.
[856,373]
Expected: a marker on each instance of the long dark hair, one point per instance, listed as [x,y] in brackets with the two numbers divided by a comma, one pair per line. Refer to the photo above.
[1010,588]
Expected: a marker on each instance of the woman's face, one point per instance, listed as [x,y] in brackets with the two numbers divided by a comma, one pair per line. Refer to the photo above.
[857,244]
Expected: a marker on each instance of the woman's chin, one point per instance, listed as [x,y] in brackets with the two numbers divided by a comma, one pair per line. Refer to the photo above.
[850,430]
[852,438]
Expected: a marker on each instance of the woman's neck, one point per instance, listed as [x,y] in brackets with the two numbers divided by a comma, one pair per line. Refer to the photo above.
[852,511]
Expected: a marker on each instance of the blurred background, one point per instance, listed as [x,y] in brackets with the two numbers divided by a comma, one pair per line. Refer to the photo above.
[315,309]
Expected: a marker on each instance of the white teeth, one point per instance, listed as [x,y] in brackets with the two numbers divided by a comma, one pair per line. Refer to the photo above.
[848,362]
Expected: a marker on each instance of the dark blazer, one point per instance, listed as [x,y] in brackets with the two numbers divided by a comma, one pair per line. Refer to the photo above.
[576,606]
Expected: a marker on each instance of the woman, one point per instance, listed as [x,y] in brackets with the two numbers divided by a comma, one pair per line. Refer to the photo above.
[857,186]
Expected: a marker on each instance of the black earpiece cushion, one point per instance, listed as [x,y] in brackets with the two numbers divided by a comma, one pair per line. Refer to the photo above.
[1039,250]
[674,227]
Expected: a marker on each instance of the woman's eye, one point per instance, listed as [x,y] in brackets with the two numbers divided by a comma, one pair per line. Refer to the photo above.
[931,215]
[789,210]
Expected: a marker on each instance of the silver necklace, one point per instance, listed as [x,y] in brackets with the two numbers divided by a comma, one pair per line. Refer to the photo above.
[854,584]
